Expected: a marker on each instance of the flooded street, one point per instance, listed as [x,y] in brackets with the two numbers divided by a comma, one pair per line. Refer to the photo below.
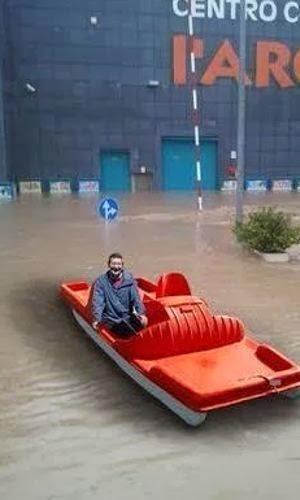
[72,426]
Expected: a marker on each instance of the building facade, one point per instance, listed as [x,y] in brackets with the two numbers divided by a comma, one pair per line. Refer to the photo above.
[100,90]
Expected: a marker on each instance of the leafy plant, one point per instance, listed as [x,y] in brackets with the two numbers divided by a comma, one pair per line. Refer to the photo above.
[268,231]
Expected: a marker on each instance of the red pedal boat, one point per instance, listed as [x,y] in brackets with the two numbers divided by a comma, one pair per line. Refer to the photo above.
[188,358]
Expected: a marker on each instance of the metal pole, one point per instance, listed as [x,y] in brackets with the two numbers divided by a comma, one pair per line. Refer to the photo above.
[241,115]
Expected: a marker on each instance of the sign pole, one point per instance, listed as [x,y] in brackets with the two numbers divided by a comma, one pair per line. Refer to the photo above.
[195,109]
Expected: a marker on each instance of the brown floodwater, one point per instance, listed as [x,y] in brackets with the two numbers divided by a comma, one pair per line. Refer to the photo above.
[72,426]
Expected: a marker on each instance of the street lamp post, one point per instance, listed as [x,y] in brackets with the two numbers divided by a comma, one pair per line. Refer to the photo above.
[241,115]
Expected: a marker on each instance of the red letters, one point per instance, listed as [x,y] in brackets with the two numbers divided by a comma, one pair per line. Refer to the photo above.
[224,64]
[265,67]
[273,62]
[179,60]
[297,65]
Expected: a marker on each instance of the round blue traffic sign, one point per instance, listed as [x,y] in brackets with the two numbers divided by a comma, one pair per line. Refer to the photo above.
[108,209]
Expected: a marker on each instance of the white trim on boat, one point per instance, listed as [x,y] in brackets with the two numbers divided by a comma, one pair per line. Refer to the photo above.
[191,417]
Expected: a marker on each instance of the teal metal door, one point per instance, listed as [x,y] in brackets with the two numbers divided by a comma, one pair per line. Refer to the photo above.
[178,164]
[114,171]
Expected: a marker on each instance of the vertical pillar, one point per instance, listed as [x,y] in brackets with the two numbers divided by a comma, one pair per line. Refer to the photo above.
[4,176]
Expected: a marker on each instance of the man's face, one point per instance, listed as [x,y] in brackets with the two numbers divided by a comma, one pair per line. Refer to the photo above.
[116,267]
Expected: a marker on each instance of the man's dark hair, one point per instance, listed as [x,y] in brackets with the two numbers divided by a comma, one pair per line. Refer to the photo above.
[115,255]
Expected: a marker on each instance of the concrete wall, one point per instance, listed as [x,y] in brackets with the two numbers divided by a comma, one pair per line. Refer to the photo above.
[92,93]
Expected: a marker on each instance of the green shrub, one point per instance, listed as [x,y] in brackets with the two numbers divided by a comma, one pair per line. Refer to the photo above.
[267,231]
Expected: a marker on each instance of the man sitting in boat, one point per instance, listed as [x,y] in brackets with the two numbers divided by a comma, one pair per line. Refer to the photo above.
[116,303]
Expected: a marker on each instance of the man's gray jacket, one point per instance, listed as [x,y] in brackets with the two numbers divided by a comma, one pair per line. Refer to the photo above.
[112,303]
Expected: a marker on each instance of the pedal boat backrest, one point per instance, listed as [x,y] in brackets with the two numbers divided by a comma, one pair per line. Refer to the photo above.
[190,328]
[172,284]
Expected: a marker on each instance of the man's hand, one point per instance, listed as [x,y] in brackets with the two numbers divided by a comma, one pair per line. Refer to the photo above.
[144,320]
[95,324]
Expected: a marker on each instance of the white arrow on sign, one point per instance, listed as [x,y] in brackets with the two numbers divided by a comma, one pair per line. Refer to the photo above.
[109,210]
